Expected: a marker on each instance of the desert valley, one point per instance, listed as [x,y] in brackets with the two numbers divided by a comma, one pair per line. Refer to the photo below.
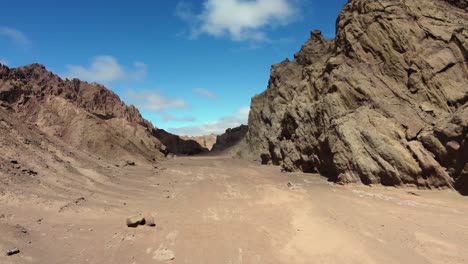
[357,152]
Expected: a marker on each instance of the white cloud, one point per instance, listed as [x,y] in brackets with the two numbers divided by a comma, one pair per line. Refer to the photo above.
[205,93]
[106,69]
[184,11]
[216,127]
[140,71]
[15,35]
[4,62]
[153,101]
[239,19]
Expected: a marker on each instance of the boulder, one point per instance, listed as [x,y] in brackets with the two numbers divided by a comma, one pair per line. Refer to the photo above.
[135,221]
[141,219]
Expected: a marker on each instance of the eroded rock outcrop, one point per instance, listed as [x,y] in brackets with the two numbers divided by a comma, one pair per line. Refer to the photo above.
[177,145]
[448,141]
[385,102]
[230,138]
[86,116]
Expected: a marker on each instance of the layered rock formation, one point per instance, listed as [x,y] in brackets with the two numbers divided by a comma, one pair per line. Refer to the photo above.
[86,116]
[230,138]
[385,102]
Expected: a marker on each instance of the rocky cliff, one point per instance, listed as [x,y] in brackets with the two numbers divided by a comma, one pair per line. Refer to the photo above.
[230,138]
[86,116]
[178,145]
[385,102]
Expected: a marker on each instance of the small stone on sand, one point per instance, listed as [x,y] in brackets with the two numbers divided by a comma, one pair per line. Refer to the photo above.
[135,221]
[12,252]
[149,220]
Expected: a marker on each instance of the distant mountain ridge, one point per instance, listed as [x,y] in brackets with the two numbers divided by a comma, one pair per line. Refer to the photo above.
[206,141]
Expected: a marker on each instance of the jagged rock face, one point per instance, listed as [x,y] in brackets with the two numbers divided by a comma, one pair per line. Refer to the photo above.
[230,138]
[385,102]
[448,141]
[86,116]
[459,3]
[177,145]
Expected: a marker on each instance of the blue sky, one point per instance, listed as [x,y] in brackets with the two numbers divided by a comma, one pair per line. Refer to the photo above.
[190,66]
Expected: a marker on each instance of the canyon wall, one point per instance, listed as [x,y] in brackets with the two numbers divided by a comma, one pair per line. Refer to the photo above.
[385,102]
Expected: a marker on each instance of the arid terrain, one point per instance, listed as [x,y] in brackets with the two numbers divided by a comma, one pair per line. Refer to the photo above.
[363,141]
[224,210]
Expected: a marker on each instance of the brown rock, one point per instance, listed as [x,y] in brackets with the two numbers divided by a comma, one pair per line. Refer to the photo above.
[448,141]
[149,219]
[230,138]
[135,221]
[84,115]
[12,252]
[382,103]
[178,145]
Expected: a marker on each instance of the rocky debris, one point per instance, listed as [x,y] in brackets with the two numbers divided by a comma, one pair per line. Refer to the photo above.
[21,229]
[130,163]
[29,172]
[178,146]
[141,219]
[12,252]
[77,202]
[230,138]
[159,169]
[382,103]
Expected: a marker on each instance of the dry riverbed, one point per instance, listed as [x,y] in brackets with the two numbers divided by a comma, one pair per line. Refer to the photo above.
[222,210]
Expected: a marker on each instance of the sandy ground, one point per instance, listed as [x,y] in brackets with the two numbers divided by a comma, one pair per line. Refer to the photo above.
[222,210]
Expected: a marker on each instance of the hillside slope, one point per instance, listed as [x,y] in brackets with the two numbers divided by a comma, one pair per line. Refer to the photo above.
[385,102]
[86,116]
